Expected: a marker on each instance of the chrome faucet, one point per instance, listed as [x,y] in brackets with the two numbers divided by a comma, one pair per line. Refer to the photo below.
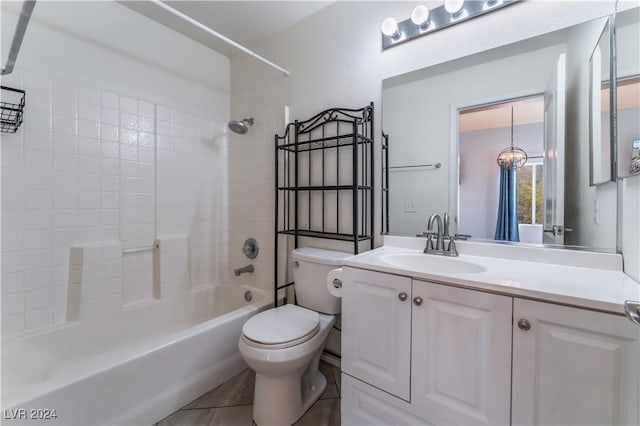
[441,235]
[243,270]
[439,242]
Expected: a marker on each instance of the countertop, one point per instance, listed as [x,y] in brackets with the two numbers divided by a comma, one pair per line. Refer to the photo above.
[603,289]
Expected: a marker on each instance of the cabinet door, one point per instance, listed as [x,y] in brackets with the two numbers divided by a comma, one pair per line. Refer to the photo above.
[461,355]
[376,329]
[573,366]
[365,405]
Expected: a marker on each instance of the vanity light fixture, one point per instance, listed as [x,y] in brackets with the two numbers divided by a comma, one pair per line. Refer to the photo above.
[424,21]
[420,16]
[389,28]
[454,7]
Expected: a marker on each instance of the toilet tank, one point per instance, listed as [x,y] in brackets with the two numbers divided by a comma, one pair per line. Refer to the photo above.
[310,269]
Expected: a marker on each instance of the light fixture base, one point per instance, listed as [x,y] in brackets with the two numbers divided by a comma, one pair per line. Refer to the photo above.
[439,19]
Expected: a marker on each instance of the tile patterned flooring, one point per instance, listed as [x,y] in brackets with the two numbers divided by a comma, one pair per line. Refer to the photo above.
[230,404]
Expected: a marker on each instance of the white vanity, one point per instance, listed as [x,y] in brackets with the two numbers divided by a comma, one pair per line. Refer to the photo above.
[500,335]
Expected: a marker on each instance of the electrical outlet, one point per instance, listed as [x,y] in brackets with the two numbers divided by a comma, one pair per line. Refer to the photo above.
[410,206]
[596,212]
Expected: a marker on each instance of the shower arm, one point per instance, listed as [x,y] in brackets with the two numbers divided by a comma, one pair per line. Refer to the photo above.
[216,34]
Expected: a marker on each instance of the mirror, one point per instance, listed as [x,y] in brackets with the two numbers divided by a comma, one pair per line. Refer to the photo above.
[600,139]
[627,37]
[444,126]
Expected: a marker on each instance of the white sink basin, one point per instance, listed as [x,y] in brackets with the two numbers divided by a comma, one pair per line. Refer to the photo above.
[430,263]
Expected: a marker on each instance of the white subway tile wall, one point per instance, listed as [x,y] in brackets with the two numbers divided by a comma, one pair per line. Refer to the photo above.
[102,171]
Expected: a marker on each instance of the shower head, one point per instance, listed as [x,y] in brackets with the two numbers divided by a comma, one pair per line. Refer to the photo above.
[240,126]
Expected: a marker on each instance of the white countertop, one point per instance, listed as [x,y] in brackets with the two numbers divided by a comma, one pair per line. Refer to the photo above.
[603,288]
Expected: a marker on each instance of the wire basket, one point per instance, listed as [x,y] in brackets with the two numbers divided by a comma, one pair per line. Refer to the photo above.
[11,109]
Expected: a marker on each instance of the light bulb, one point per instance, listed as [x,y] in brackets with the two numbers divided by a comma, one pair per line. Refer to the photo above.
[389,27]
[453,6]
[420,16]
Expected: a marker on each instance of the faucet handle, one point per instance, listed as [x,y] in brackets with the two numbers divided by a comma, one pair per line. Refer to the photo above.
[429,246]
[451,248]
[445,224]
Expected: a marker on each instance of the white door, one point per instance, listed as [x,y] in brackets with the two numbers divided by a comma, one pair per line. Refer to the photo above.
[461,355]
[574,367]
[376,329]
[554,114]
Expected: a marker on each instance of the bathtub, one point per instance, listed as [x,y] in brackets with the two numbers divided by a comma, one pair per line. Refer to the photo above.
[139,368]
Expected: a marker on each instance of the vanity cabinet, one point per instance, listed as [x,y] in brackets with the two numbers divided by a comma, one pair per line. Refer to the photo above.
[442,350]
[416,352]
[573,366]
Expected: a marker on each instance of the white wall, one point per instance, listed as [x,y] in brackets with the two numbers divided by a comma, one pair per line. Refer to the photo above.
[122,143]
[480,175]
[335,59]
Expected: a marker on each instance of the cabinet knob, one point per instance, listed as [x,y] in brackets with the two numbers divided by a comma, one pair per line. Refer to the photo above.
[523,324]
[417,301]
[402,296]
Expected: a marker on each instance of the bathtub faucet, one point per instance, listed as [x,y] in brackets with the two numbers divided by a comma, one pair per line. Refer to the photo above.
[243,270]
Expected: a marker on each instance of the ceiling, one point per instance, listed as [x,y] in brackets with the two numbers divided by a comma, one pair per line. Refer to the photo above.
[245,22]
[525,111]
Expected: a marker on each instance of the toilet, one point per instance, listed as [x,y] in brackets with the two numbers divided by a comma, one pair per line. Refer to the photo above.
[283,345]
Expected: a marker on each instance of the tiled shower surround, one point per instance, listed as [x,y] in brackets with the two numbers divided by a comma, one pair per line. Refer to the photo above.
[91,167]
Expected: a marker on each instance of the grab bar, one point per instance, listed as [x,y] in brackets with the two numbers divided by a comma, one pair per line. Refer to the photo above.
[18,36]
[141,249]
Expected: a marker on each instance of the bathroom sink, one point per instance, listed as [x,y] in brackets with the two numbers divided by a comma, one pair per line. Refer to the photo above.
[431,263]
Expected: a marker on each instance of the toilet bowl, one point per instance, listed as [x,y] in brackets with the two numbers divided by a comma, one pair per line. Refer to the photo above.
[283,345]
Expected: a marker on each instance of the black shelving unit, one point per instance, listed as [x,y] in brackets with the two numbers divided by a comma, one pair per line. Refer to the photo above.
[324,180]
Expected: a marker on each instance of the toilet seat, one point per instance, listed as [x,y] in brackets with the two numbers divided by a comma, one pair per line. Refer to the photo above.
[281,327]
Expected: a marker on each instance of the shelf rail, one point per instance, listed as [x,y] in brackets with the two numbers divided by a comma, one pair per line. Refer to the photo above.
[18,36]
[412,166]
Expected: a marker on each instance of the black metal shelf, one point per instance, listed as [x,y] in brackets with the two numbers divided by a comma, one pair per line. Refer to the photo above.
[11,113]
[338,141]
[324,188]
[325,235]
[328,142]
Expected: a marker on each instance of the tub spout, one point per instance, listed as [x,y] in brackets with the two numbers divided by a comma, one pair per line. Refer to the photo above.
[243,270]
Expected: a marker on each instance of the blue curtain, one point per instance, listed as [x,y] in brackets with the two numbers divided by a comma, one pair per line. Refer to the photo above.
[507,225]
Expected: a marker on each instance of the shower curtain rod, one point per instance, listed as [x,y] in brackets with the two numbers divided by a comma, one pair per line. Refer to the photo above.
[217,35]
[18,36]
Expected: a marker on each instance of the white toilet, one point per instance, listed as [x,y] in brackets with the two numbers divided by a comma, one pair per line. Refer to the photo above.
[283,345]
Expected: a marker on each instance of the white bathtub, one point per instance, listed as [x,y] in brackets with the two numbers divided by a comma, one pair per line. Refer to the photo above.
[138,369]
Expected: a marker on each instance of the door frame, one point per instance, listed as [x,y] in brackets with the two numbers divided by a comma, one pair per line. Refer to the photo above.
[454,142]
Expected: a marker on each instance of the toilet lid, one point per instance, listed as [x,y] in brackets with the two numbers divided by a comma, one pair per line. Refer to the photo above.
[281,325]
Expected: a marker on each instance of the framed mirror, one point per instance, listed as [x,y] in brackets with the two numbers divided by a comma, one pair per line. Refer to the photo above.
[445,126]
[601,142]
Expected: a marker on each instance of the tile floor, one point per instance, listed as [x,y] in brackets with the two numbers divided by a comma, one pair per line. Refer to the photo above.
[230,404]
